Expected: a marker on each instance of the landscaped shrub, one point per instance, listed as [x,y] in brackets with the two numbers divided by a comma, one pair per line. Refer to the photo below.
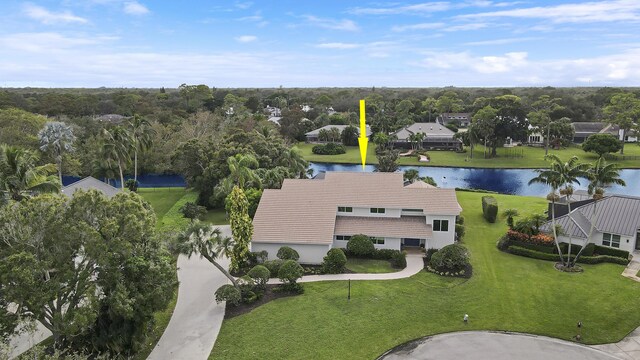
[589,249]
[459,231]
[604,250]
[229,294]
[334,261]
[287,253]
[597,259]
[192,211]
[260,275]
[452,257]
[399,260]
[460,219]
[329,149]
[247,286]
[361,246]
[289,273]
[540,239]
[575,249]
[490,208]
[273,266]
[384,254]
[429,253]
[132,185]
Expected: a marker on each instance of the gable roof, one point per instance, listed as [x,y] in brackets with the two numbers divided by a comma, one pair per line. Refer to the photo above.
[304,210]
[429,129]
[90,183]
[588,127]
[316,132]
[617,214]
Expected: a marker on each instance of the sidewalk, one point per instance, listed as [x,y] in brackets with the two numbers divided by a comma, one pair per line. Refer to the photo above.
[631,271]
[626,349]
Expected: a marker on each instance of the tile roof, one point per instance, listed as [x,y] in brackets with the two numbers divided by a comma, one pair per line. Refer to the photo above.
[430,129]
[617,214]
[588,127]
[89,183]
[404,227]
[420,185]
[304,210]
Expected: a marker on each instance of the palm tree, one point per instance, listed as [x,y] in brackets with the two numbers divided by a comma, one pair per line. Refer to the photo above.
[141,133]
[20,177]
[117,146]
[293,160]
[411,175]
[208,242]
[510,214]
[241,170]
[601,175]
[56,138]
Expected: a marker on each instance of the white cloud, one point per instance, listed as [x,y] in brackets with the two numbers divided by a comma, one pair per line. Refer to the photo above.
[246,38]
[500,41]
[595,11]
[421,26]
[427,8]
[135,8]
[49,17]
[48,41]
[338,45]
[333,24]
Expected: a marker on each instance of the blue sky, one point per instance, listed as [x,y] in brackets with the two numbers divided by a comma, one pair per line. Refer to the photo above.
[144,43]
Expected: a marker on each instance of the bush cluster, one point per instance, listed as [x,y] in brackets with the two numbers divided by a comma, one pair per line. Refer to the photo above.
[490,208]
[329,149]
[228,293]
[289,273]
[273,265]
[539,239]
[451,258]
[260,275]
[603,250]
[287,253]
[596,259]
[334,261]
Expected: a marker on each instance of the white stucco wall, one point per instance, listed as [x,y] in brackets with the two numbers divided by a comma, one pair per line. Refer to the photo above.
[389,243]
[627,243]
[441,238]
[309,253]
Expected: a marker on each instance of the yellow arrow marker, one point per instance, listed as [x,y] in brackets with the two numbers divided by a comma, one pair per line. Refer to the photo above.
[363,140]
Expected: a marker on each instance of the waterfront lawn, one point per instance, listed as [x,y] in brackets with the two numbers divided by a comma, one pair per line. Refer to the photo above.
[162,199]
[371,266]
[506,292]
[532,157]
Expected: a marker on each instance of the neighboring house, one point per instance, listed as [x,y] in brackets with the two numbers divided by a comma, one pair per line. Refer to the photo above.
[437,136]
[110,118]
[90,183]
[584,129]
[313,136]
[617,224]
[330,111]
[315,215]
[305,108]
[535,136]
[460,119]
[275,119]
[273,111]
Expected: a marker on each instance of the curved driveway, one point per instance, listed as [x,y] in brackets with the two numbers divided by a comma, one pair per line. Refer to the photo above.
[495,346]
[197,318]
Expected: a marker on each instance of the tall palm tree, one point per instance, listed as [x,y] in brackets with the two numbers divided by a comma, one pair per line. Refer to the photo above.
[601,175]
[411,175]
[118,146]
[141,133]
[56,138]
[241,170]
[293,160]
[20,177]
[208,242]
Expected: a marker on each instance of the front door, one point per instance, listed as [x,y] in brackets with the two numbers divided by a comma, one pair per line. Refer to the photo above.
[638,240]
[411,242]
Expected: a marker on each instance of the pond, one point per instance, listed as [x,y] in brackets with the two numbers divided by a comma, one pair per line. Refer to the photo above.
[506,181]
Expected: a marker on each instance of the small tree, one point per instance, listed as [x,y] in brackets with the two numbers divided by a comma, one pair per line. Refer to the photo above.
[289,273]
[510,214]
[228,293]
[132,185]
[411,175]
[387,161]
[490,208]
[241,227]
[350,136]
[260,274]
[360,245]
[334,261]
[193,211]
[602,144]
[287,253]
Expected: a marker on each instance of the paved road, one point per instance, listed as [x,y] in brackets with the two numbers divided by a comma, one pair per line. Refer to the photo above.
[196,320]
[495,346]
[415,264]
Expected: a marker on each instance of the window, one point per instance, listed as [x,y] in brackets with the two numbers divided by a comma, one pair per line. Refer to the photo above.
[345,209]
[377,210]
[440,225]
[611,240]
[377,240]
[343,237]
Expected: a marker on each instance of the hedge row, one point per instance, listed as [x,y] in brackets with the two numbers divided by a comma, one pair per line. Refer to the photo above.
[517,250]
[604,250]
[490,208]
[329,149]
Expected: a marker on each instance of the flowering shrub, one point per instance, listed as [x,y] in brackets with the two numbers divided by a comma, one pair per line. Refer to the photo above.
[540,239]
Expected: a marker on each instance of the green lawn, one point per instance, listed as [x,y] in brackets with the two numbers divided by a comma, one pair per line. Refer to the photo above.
[506,292]
[369,266]
[533,157]
[216,217]
[162,199]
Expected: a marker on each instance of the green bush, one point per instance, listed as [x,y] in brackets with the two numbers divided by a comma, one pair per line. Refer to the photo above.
[192,211]
[229,294]
[517,250]
[287,253]
[260,274]
[384,254]
[329,149]
[290,272]
[132,185]
[334,261]
[273,266]
[605,250]
[399,260]
[361,246]
[575,249]
[452,257]
[429,253]
[460,219]
[460,231]
[490,208]
[589,249]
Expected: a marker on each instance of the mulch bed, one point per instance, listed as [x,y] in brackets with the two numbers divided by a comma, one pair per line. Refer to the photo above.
[468,271]
[242,308]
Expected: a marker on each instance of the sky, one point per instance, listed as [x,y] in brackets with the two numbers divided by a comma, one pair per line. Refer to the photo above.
[312,43]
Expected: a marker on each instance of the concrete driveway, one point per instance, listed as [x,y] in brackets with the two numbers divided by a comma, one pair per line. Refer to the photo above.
[196,319]
[495,346]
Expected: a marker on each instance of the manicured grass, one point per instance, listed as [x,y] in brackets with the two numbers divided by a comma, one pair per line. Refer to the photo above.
[369,266]
[506,292]
[216,217]
[533,157]
[162,199]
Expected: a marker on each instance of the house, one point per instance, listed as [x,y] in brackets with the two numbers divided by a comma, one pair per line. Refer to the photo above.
[459,119]
[314,136]
[315,215]
[331,111]
[274,119]
[617,224]
[273,111]
[584,129]
[437,136]
[535,136]
[90,183]
[306,108]
[110,118]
